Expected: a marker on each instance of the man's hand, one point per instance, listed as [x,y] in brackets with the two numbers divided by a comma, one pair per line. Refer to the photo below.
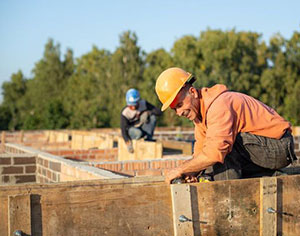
[172,174]
[129,147]
[191,179]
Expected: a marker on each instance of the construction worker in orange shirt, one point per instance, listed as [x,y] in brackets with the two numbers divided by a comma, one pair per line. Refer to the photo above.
[236,135]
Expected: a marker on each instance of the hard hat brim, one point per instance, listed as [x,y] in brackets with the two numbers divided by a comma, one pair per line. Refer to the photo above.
[170,100]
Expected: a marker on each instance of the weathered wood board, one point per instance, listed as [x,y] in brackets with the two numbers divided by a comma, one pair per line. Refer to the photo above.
[125,207]
[185,147]
[136,210]
[142,150]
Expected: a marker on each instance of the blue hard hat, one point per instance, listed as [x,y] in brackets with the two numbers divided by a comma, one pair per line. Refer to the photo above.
[132,97]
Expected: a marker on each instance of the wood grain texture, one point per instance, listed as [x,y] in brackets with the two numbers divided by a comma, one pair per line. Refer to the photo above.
[4,215]
[228,207]
[268,200]
[185,147]
[143,206]
[182,206]
[143,150]
[19,214]
[289,203]
[137,210]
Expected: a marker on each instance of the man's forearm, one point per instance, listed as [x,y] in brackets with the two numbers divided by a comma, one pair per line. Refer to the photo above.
[196,164]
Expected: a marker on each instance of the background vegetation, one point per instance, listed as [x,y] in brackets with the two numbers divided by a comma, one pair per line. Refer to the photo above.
[89,92]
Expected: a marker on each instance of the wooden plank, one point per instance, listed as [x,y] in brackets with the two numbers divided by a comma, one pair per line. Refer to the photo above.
[21,136]
[185,147]
[227,207]
[3,215]
[142,150]
[268,202]
[3,141]
[182,209]
[288,202]
[222,207]
[19,214]
[135,210]
[88,185]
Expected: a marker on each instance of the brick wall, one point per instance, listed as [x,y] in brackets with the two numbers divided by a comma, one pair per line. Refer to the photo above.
[17,168]
[50,168]
[141,168]
[47,171]
[88,155]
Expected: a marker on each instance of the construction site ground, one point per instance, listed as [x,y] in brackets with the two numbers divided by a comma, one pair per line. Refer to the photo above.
[71,182]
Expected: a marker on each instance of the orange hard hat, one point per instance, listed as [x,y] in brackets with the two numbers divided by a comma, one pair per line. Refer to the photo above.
[169,83]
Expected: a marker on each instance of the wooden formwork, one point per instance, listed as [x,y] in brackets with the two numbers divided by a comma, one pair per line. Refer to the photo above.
[266,206]
[89,139]
[296,130]
[142,150]
[185,147]
[54,136]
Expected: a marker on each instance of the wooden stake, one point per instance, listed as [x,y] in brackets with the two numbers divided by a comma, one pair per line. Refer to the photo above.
[182,206]
[268,202]
[19,214]
[3,141]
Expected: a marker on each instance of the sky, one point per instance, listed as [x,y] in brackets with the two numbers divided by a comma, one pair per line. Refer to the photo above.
[26,25]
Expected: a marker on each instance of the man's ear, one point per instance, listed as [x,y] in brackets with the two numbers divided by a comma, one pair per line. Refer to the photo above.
[193,92]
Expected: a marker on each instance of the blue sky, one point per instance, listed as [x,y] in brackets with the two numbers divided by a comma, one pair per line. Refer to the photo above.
[26,25]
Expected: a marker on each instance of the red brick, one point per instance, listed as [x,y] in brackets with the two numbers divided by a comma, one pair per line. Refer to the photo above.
[114,166]
[25,179]
[66,152]
[12,170]
[5,179]
[128,166]
[49,174]
[166,164]
[141,165]
[55,166]
[24,160]
[128,172]
[46,163]
[5,161]
[99,165]
[40,161]
[30,169]
[148,173]
[54,177]
[41,179]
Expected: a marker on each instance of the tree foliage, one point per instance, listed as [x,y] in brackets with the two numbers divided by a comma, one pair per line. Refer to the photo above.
[90,92]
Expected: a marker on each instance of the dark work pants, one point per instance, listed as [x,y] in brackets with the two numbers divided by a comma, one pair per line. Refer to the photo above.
[146,130]
[255,156]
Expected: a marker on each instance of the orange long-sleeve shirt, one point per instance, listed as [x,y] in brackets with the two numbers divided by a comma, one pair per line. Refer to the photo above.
[225,114]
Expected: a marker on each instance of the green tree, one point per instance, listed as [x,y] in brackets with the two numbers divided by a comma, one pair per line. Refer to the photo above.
[87,97]
[48,84]
[13,94]
[292,80]
[127,66]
